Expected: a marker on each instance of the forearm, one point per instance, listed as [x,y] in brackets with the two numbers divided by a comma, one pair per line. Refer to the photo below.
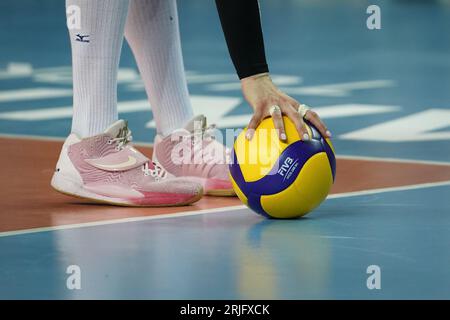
[241,26]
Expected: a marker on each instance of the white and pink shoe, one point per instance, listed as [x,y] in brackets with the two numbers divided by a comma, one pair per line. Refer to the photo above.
[193,152]
[106,168]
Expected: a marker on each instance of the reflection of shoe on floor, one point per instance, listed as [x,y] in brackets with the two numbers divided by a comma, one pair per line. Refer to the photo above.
[205,162]
[106,168]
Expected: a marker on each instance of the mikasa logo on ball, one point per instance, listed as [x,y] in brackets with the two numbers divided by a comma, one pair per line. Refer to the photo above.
[287,168]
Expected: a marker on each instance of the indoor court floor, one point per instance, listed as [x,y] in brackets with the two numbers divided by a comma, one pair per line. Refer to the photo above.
[385,95]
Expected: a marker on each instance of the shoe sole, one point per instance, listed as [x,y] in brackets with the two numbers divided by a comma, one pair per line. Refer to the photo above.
[213,192]
[220,193]
[208,192]
[58,182]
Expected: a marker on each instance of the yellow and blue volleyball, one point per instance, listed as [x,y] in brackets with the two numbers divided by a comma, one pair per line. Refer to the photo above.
[282,179]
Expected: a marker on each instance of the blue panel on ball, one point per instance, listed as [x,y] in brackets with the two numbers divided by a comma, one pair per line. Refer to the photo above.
[315,133]
[289,164]
[236,173]
[254,202]
[331,156]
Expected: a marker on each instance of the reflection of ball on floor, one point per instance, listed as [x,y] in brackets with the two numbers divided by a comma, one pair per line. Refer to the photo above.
[282,179]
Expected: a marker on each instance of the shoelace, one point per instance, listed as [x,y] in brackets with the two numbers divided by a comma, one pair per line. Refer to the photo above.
[123,138]
[158,172]
[208,132]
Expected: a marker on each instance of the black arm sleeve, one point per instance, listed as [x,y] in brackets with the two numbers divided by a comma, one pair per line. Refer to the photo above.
[241,26]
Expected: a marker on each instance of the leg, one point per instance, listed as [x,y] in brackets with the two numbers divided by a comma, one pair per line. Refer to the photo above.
[97,160]
[152,32]
[96,31]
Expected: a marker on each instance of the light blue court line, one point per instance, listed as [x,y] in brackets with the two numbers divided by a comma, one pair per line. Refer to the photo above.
[239,255]
[214,210]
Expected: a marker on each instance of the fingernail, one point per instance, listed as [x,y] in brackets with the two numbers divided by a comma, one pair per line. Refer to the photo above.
[305,137]
[283,136]
[249,134]
[328,133]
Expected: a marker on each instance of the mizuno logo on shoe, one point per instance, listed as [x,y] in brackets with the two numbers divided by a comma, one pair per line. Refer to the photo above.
[81,38]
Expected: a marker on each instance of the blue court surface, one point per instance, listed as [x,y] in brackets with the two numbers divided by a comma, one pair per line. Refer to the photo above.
[385,95]
[237,255]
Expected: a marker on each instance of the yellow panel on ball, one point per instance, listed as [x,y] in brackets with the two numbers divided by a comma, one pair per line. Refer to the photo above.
[258,156]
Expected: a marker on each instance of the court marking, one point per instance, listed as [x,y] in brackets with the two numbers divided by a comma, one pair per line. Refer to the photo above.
[149,144]
[116,221]
[57,139]
[33,94]
[204,211]
[31,137]
[425,125]
[388,159]
[389,189]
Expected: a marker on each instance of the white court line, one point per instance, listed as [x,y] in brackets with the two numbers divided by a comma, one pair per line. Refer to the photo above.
[389,189]
[148,144]
[58,139]
[215,210]
[201,104]
[33,94]
[31,137]
[116,221]
[386,159]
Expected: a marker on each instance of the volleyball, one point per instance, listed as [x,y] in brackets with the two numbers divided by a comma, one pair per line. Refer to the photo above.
[282,179]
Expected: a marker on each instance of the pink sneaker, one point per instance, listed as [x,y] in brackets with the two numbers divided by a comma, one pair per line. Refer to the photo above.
[106,168]
[194,153]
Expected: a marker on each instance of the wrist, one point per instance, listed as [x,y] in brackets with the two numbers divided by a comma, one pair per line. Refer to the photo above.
[256,77]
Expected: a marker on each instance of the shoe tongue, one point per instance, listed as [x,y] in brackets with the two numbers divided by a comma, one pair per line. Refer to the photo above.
[116,128]
[196,123]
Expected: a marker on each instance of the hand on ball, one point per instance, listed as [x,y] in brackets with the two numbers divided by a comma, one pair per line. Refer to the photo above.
[267,100]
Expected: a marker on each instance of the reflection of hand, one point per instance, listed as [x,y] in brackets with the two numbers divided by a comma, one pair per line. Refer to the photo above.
[267,100]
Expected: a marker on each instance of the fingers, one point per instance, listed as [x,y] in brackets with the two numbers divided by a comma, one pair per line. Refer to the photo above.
[314,118]
[254,122]
[277,118]
[290,110]
[295,117]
